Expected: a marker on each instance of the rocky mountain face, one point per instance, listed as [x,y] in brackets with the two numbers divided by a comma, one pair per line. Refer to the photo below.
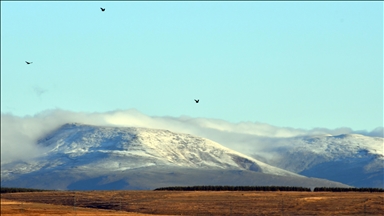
[93,157]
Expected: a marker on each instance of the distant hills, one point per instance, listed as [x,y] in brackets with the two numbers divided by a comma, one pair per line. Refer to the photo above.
[87,157]
[352,159]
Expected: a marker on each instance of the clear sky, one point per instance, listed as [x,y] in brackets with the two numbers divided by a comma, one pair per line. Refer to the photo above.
[289,64]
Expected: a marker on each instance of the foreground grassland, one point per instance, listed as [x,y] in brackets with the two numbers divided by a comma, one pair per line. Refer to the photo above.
[16,208]
[192,203]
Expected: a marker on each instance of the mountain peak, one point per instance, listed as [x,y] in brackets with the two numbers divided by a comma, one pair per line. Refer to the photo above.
[151,146]
[129,152]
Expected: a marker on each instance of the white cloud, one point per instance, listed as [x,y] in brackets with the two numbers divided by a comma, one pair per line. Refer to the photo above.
[19,135]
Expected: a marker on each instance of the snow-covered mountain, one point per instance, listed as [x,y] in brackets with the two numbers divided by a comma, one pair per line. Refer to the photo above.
[352,159]
[141,158]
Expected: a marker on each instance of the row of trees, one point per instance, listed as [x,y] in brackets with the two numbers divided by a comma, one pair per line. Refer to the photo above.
[234,188]
[333,189]
[17,190]
[266,188]
[228,188]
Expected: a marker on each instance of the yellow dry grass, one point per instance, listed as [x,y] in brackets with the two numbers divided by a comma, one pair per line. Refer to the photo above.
[194,203]
[17,208]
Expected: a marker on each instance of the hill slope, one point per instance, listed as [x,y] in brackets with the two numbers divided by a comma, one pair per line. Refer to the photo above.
[351,159]
[139,158]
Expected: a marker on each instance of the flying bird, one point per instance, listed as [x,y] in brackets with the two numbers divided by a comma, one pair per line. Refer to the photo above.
[197,101]
[102,9]
[28,62]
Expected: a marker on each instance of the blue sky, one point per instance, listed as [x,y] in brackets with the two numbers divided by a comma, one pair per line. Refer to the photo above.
[289,64]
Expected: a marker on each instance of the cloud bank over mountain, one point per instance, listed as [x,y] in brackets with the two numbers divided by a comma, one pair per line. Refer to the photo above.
[19,135]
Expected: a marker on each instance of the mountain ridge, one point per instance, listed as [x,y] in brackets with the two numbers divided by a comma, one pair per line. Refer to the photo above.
[87,152]
[353,159]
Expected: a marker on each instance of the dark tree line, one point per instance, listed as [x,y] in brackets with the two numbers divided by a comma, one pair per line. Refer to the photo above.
[234,188]
[335,189]
[227,188]
[266,188]
[18,190]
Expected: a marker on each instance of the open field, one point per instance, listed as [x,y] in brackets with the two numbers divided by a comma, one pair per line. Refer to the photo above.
[17,208]
[192,203]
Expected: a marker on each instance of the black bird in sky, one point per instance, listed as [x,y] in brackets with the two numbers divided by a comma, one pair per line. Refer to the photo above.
[28,62]
[197,101]
[102,9]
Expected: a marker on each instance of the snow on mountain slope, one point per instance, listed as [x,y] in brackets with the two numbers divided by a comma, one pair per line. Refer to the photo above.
[104,148]
[352,159]
[94,157]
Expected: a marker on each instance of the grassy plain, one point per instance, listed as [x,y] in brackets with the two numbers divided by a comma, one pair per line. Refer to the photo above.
[191,203]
